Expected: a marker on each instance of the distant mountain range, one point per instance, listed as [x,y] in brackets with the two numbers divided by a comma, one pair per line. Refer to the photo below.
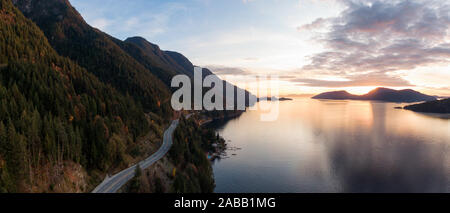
[379,94]
[438,106]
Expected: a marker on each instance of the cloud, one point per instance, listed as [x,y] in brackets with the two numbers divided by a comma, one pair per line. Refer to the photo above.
[101,23]
[372,79]
[377,37]
[288,77]
[222,70]
[318,23]
[251,59]
[127,19]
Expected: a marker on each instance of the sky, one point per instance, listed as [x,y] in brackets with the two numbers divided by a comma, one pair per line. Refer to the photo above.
[312,45]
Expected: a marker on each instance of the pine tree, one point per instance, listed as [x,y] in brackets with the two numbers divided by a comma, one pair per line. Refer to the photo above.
[135,183]
[3,140]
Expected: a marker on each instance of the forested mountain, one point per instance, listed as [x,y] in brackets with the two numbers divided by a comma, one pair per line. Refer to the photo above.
[161,66]
[74,101]
[169,63]
[134,66]
[53,111]
[72,37]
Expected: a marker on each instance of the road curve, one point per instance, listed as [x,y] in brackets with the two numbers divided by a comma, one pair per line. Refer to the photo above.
[114,183]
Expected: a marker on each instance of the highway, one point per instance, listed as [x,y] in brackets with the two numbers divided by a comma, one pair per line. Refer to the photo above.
[114,183]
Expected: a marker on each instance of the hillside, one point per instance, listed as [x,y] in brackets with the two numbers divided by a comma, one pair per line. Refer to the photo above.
[336,95]
[379,94]
[96,51]
[77,104]
[55,116]
[134,66]
[171,60]
[439,106]
[152,58]
[168,64]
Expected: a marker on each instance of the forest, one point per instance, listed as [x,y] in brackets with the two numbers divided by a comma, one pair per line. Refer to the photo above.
[77,104]
[189,153]
[53,111]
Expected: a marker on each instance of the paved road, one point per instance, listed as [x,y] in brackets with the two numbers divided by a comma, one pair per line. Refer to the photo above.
[114,183]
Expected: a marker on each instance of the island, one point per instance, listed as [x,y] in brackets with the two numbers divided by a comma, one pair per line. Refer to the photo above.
[275,99]
[438,106]
[379,94]
[285,99]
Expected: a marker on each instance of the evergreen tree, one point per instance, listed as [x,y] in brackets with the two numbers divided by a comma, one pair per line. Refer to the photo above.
[135,182]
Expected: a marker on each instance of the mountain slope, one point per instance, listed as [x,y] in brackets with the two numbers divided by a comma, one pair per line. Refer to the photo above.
[173,60]
[71,36]
[439,106]
[169,64]
[337,95]
[379,94]
[390,95]
[53,114]
[151,58]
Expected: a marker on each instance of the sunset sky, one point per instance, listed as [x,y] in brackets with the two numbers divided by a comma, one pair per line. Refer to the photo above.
[313,45]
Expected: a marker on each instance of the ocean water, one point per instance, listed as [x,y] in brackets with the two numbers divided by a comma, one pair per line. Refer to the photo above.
[335,146]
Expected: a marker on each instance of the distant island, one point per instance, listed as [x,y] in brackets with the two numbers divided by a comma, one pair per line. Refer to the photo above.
[285,99]
[275,99]
[379,94]
[438,106]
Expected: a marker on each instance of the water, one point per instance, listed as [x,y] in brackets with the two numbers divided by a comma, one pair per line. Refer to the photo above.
[336,146]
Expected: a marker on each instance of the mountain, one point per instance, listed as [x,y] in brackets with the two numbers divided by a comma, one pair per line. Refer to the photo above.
[164,64]
[169,63]
[438,106]
[184,62]
[98,52]
[379,94]
[151,57]
[390,95]
[336,95]
[173,60]
[57,120]
[77,104]
[134,66]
